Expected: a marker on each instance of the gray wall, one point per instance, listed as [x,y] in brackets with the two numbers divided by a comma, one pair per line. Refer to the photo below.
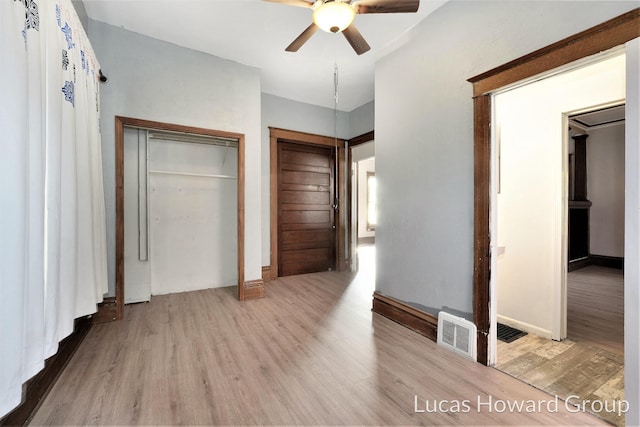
[361,119]
[154,80]
[82,13]
[424,137]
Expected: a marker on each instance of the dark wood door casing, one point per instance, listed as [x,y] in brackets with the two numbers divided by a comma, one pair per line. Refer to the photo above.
[306,216]
[278,136]
[608,35]
[245,291]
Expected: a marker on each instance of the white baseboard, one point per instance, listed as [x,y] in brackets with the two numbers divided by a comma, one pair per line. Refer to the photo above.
[523,326]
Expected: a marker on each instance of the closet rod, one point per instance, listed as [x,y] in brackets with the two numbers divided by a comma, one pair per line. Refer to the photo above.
[202,175]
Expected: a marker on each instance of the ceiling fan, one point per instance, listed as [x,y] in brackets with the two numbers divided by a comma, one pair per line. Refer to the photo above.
[335,16]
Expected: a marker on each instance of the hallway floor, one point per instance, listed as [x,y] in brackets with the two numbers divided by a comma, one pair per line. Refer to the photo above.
[590,364]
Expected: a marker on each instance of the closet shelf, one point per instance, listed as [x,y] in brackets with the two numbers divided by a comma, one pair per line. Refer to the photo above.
[201,175]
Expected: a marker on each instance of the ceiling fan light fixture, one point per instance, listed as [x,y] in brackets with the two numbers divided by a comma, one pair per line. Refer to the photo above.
[334,16]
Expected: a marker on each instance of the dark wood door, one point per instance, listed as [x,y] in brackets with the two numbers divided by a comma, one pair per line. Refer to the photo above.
[306,227]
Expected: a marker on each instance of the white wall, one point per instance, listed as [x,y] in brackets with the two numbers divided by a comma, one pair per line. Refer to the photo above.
[193,240]
[605,189]
[153,80]
[632,240]
[424,136]
[364,168]
[363,151]
[531,203]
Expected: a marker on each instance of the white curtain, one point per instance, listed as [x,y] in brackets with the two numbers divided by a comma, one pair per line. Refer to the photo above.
[52,216]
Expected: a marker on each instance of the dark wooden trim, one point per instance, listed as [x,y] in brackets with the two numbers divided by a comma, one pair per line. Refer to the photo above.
[580,204]
[306,138]
[579,264]
[406,315]
[37,388]
[342,213]
[607,261]
[580,168]
[352,261]
[361,139]
[481,248]
[266,273]
[120,123]
[119,154]
[273,207]
[612,33]
[253,289]
[599,260]
[242,290]
[276,135]
[107,311]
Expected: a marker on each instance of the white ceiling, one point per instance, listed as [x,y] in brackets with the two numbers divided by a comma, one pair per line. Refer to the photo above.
[599,118]
[255,33]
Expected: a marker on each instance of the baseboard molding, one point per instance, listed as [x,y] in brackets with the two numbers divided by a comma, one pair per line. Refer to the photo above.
[600,260]
[406,315]
[523,326]
[578,264]
[253,289]
[266,273]
[36,389]
[107,311]
[607,261]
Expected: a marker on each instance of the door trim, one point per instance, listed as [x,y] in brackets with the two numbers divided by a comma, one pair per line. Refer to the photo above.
[120,123]
[612,33]
[284,135]
[351,227]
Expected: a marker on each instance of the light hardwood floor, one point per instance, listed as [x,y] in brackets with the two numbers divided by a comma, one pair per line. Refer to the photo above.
[595,307]
[310,353]
[590,363]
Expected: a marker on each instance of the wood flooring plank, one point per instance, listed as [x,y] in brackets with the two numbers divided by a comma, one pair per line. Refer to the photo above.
[310,353]
[587,376]
[595,307]
[547,373]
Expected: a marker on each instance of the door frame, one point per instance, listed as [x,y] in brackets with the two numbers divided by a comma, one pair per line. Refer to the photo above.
[120,123]
[352,226]
[276,135]
[612,33]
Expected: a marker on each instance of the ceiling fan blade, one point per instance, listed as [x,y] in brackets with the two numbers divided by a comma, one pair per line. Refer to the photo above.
[302,38]
[387,6]
[355,39]
[300,3]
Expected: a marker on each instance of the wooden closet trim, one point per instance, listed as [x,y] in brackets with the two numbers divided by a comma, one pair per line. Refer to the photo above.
[362,139]
[120,123]
[612,33]
[284,135]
